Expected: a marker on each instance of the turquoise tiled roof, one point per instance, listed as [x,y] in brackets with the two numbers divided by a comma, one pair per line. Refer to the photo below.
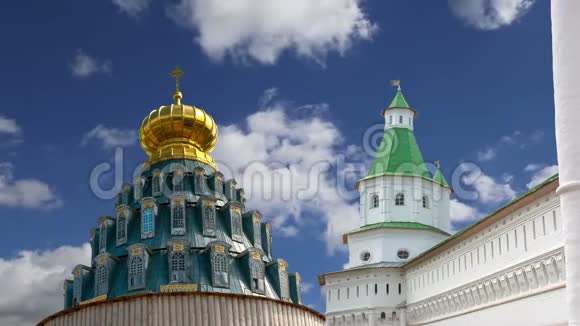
[199,270]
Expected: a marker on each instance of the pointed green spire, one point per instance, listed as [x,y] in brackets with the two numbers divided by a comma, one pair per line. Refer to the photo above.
[399,154]
[439,178]
[399,100]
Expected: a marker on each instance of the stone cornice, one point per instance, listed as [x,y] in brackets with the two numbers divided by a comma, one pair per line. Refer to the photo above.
[540,274]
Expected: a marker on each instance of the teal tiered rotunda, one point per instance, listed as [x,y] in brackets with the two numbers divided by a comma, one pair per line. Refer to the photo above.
[181,230]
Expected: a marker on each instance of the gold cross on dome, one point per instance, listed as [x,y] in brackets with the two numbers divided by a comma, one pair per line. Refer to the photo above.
[176,73]
[438,164]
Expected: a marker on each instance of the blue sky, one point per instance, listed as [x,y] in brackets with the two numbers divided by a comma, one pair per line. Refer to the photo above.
[79,76]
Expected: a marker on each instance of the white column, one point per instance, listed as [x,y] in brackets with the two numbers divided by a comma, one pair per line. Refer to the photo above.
[566,58]
[402,317]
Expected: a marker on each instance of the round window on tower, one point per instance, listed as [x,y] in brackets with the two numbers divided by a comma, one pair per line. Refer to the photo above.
[365,256]
[403,253]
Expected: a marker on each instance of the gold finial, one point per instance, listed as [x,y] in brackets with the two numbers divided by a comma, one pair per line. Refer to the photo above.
[438,164]
[396,83]
[177,73]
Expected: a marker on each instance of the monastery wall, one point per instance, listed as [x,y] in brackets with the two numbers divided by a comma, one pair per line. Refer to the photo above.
[354,297]
[515,259]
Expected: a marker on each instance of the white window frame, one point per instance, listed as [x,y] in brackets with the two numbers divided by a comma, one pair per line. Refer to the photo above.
[220,264]
[209,220]
[136,273]
[375,200]
[101,280]
[177,229]
[400,199]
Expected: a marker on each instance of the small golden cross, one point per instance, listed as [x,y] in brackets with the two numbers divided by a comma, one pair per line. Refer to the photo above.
[437,164]
[176,73]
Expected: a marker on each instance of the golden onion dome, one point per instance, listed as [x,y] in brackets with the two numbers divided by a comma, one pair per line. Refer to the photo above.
[178,131]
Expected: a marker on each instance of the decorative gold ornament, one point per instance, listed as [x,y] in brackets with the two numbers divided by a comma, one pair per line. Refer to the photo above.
[178,131]
[178,288]
[177,247]
[256,256]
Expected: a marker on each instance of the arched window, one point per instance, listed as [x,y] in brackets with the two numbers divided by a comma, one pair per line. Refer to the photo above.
[387,288]
[236,226]
[178,217]
[220,269]
[137,188]
[394,315]
[178,267]
[257,235]
[101,280]
[209,221]
[156,183]
[400,199]
[103,237]
[257,268]
[77,289]
[383,316]
[219,187]
[148,220]
[425,202]
[374,201]
[400,288]
[178,180]
[390,119]
[400,119]
[125,195]
[409,121]
[136,274]
[121,229]
[284,292]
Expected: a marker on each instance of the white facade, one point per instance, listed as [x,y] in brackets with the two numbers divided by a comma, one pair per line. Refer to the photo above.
[507,269]
[414,190]
[399,118]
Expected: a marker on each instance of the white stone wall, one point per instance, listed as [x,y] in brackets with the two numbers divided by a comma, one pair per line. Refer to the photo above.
[516,258]
[414,188]
[384,243]
[359,297]
[547,308]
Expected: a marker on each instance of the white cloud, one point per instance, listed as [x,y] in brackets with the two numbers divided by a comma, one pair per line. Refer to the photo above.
[490,14]
[532,167]
[263,30]
[132,8]
[285,165]
[9,126]
[488,189]
[541,175]
[109,137]
[486,155]
[461,212]
[27,193]
[32,283]
[306,287]
[84,65]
